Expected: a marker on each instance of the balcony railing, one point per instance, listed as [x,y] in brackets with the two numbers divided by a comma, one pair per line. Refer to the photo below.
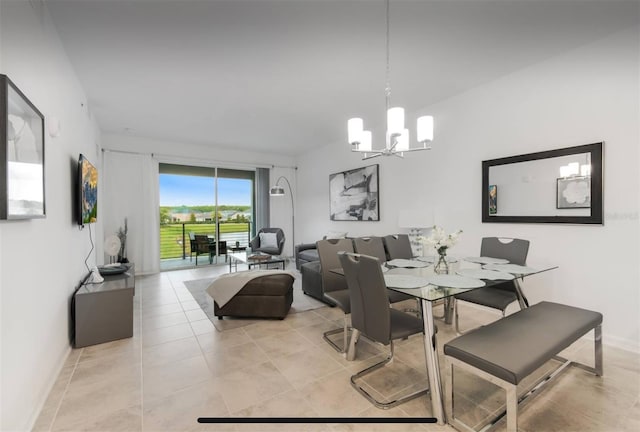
[174,237]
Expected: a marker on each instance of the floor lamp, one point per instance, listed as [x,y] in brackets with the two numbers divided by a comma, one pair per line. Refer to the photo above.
[278,191]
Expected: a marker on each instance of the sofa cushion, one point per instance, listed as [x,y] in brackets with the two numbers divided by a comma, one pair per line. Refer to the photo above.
[309,255]
[335,235]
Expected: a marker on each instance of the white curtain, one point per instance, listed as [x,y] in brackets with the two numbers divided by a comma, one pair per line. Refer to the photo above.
[262,198]
[132,191]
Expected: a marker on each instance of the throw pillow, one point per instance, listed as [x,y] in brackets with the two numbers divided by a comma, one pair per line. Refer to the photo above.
[268,240]
[335,235]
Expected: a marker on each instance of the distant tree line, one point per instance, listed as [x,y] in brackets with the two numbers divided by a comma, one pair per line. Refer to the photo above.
[166,211]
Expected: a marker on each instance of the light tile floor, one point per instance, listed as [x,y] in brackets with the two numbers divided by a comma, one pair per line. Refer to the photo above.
[178,367]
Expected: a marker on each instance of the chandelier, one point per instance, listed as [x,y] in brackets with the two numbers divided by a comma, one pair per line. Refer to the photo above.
[397,136]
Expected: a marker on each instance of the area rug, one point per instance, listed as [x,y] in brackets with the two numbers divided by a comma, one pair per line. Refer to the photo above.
[197,288]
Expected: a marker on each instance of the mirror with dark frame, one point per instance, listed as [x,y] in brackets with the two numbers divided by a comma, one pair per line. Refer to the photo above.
[554,186]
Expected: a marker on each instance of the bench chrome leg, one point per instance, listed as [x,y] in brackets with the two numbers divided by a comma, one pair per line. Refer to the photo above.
[450,394]
[512,408]
[598,350]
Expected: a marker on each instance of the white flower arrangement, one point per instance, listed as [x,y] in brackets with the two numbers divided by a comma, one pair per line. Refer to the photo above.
[441,241]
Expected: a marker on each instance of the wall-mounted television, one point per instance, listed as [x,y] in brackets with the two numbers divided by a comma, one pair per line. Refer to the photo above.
[87,191]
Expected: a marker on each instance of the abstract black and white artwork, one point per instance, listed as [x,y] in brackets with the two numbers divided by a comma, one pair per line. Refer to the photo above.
[354,195]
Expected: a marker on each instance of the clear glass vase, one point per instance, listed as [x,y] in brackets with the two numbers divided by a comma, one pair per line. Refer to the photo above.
[441,266]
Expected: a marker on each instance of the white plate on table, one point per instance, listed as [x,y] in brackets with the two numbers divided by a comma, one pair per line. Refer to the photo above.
[510,268]
[485,274]
[405,281]
[455,281]
[486,260]
[405,263]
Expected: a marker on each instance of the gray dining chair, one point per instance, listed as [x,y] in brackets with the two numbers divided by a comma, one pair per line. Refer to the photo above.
[334,285]
[398,246]
[498,296]
[374,246]
[372,317]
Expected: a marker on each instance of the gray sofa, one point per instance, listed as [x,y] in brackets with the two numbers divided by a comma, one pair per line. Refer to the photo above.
[308,262]
[305,253]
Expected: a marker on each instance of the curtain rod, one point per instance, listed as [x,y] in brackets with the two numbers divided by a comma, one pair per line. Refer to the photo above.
[207,161]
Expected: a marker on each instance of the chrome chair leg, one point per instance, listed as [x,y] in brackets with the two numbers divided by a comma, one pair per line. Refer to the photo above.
[374,401]
[345,338]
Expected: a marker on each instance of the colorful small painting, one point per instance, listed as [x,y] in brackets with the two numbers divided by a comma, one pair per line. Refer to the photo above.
[493,199]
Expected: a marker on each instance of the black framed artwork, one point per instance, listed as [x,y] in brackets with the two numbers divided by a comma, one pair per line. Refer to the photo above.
[354,194]
[21,155]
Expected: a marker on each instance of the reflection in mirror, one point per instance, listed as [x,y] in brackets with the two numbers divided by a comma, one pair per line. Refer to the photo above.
[530,188]
[563,185]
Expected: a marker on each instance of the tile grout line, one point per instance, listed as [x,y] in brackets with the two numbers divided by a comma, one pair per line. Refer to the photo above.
[64,393]
[200,347]
[141,365]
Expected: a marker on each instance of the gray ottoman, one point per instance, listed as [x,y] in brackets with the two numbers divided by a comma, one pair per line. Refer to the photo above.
[268,296]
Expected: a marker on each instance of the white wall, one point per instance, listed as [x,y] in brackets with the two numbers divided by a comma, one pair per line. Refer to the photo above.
[584,96]
[42,260]
[199,155]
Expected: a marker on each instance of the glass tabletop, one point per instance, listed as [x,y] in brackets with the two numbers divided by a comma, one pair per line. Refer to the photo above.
[437,287]
[255,257]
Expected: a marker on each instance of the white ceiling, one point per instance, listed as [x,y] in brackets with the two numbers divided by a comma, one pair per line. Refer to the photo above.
[284,76]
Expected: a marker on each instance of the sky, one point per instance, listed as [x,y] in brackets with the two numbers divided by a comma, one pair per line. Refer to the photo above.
[177,190]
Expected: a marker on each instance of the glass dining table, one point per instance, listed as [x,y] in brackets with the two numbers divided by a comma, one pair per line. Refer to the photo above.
[422,283]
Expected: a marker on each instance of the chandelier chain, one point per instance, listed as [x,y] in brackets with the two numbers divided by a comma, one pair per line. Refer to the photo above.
[387,89]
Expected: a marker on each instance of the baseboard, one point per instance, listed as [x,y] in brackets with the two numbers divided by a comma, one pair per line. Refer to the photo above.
[620,343]
[43,398]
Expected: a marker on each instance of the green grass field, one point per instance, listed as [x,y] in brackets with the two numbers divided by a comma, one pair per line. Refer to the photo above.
[171,236]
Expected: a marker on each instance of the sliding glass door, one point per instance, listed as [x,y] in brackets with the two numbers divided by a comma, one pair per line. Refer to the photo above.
[214,204]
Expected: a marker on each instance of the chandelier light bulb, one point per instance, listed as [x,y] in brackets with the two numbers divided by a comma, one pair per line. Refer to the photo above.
[403,141]
[395,121]
[365,143]
[424,129]
[355,127]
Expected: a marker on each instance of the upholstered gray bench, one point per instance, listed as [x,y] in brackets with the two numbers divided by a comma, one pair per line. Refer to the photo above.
[508,350]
